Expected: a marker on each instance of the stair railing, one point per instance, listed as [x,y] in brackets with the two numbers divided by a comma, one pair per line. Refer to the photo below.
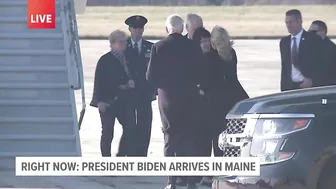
[75,52]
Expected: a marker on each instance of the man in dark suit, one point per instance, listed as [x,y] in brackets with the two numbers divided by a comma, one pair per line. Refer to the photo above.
[300,55]
[175,69]
[193,22]
[111,96]
[138,53]
[329,52]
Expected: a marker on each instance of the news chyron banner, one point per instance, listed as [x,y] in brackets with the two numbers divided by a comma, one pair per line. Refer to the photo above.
[41,14]
[139,166]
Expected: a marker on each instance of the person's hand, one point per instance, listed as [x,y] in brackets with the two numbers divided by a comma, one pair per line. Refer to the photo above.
[307,83]
[131,83]
[102,106]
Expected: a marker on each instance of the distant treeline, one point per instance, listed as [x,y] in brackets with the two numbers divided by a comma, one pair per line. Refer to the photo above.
[204,2]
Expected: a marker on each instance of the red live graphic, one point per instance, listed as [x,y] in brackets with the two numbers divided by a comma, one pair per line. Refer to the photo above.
[41,14]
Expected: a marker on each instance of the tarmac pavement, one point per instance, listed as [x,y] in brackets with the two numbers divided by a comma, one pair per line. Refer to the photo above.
[258,71]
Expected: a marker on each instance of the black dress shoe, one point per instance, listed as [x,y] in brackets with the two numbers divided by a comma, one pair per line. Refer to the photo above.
[170,186]
[206,181]
[192,186]
[181,181]
[198,179]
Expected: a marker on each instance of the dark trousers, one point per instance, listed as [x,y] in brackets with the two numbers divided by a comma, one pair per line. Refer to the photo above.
[144,116]
[213,123]
[296,85]
[126,117]
[291,85]
[179,144]
[208,142]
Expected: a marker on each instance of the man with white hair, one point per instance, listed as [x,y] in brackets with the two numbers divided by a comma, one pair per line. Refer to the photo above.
[175,69]
[194,21]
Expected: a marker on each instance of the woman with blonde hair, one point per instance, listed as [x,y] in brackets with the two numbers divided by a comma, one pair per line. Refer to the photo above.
[221,42]
[221,87]
[227,65]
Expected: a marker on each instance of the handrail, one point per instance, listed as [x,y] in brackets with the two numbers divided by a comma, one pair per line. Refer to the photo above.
[74,48]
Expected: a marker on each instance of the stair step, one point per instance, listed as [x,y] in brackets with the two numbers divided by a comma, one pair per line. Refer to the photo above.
[20,19]
[31,35]
[36,119]
[34,86]
[32,69]
[20,52]
[36,60]
[33,74]
[34,103]
[36,137]
[13,3]
[37,154]
[31,41]
[36,146]
[16,2]
[31,109]
[7,164]
[18,24]
[19,8]
[34,94]
[37,128]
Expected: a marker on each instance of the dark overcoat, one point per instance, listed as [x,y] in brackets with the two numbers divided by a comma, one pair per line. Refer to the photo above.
[175,69]
[109,76]
[221,87]
[329,62]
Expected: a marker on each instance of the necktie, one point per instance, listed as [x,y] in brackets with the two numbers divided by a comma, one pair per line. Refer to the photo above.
[136,48]
[294,53]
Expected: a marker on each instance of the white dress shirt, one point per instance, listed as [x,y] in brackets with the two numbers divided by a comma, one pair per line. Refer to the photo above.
[139,44]
[296,74]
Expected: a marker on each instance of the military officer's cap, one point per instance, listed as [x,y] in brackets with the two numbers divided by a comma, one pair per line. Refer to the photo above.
[136,21]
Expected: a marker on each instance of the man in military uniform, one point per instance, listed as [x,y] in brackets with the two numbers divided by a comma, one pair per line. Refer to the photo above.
[138,54]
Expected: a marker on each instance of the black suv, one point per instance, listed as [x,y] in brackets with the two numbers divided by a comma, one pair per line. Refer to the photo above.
[294,135]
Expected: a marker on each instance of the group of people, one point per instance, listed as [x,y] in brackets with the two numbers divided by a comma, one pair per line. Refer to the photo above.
[121,91]
[308,58]
[195,79]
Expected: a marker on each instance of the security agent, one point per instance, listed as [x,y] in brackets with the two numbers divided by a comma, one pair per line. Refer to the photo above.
[138,53]
[329,53]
